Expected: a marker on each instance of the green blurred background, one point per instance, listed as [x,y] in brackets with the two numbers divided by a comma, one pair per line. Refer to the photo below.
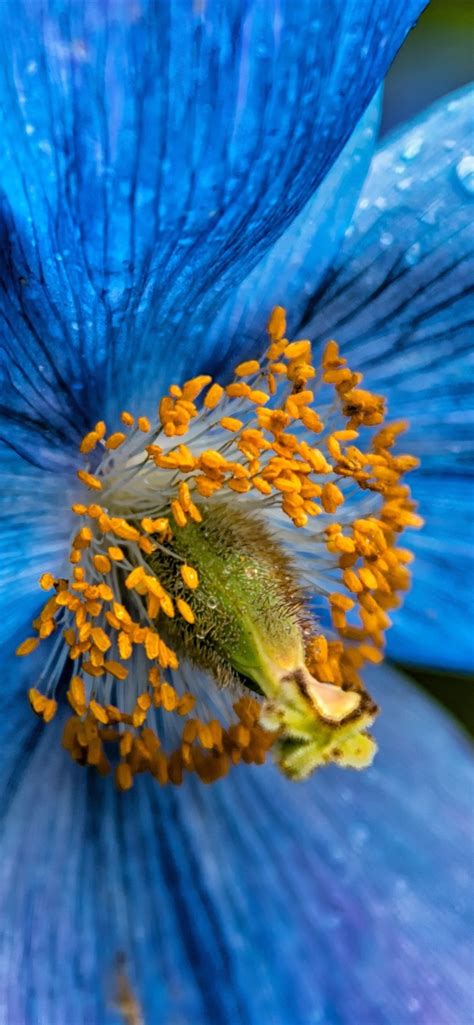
[437,57]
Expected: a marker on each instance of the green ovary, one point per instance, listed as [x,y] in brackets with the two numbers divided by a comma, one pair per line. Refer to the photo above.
[249,608]
[250,622]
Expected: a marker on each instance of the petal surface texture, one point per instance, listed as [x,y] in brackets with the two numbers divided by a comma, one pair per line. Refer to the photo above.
[344,899]
[151,154]
[289,274]
[400,303]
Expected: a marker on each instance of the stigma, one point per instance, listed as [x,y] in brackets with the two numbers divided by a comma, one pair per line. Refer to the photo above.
[232,571]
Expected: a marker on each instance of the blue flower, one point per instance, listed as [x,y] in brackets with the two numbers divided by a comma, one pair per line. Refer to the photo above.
[169,172]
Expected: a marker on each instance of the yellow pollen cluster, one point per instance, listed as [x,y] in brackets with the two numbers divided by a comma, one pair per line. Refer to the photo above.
[283,455]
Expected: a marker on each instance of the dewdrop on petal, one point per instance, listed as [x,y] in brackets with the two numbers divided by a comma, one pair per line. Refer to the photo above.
[197,536]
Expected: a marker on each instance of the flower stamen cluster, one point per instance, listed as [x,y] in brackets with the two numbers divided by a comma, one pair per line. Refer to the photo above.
[261,441]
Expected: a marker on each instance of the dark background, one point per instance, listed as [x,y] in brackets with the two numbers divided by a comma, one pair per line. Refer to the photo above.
[437,58]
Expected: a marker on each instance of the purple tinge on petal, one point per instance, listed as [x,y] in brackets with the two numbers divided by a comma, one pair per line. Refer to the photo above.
[151,154]
[347,898]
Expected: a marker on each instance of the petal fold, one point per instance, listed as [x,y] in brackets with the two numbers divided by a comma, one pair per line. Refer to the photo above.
[344,899]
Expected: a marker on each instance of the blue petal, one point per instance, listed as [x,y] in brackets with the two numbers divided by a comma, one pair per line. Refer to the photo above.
[345,899]
[400,303]
[290,272]
[151,154]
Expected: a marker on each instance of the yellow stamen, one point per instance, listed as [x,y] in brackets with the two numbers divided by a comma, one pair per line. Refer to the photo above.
[250,366]
[185,610]
[102,563]
[27,646]
[123,776]
[98,712]
[213,396]
[295,350]
[231,423]
[259,397]
[115,553]
[89,442]
[89,480]
[115,440]
[178,513]
[190,576]
[277,323]
[47,581]
[127,418]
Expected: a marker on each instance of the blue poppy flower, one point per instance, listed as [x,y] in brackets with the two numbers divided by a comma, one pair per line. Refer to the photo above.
[169,173]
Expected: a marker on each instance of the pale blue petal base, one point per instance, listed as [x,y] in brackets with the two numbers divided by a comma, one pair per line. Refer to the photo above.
[347,899]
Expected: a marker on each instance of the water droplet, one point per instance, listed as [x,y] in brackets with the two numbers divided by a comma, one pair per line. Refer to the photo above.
[31,67]
[404,184]
[29,129]
[413,147]
[386,239]
[449,144]
[380,203]
[465,173]
[430,215]
[413,254]
[363,204]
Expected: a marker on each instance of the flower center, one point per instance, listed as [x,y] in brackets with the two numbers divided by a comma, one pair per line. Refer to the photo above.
[189,553]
